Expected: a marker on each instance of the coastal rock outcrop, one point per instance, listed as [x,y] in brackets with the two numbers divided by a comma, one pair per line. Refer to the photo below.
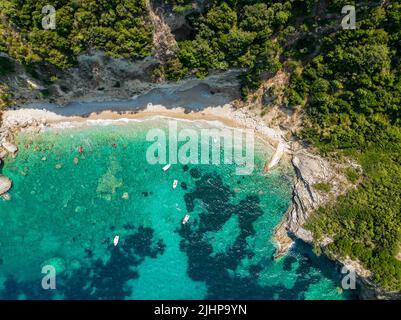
[3,154]
[5,184]
[9,147]
[311,170]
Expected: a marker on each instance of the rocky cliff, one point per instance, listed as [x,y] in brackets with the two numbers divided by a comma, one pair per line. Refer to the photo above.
[310,170]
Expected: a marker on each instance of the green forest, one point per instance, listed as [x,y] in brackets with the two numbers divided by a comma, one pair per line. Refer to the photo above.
[348,83]
[352,94]
[119,27]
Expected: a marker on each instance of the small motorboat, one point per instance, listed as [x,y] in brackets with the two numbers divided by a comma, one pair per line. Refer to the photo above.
[175,183]
[185,220]
[166,167]
[116,239]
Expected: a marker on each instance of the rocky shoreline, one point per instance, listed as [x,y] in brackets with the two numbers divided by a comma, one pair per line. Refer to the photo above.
[311,169]
[6,149]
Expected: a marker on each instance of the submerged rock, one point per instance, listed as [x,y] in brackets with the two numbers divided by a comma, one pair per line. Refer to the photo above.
[56,262]
[80,209]
[195,173]
[75,264]
[5,184]
[3,153]
[6,196]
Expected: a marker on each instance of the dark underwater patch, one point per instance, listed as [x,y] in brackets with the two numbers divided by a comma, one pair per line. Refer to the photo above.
[288,262]
[215,198]
[99,280]
[195,173]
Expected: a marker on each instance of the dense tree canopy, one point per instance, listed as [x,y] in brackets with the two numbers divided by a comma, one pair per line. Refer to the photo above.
[237,35]
[352,94]
[119,27]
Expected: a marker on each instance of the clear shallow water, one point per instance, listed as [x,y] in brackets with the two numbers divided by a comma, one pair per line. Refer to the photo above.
[66,209]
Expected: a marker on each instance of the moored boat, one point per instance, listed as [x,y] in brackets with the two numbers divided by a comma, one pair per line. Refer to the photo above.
[186,219]
[116,239]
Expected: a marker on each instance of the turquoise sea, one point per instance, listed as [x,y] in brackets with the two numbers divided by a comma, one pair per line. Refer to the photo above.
[67,207]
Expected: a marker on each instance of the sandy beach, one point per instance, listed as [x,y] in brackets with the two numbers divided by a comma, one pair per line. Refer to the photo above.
[46,115]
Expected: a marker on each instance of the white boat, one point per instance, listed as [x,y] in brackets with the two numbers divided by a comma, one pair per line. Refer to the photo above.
[166,167]
[185,220]
[175,183]
[116,238]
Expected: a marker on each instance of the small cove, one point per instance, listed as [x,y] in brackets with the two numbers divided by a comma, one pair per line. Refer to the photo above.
[66,208]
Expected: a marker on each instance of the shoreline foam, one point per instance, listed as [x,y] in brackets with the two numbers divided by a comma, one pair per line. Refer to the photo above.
[38,119]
